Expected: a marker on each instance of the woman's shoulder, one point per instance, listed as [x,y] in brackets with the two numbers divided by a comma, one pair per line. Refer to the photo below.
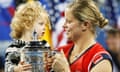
[98,54]
[96,48]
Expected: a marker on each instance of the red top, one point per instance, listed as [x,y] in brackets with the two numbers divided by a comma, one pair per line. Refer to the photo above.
[88,59]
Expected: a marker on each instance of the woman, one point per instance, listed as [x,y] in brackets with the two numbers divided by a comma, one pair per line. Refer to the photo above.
[28,18]
[82,17]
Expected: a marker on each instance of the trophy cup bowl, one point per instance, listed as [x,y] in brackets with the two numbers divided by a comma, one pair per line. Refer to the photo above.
[35,53]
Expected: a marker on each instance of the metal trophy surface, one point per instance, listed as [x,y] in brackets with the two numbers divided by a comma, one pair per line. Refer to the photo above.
[34,53]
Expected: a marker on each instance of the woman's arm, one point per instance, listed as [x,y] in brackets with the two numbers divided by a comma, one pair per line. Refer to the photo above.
[103,66]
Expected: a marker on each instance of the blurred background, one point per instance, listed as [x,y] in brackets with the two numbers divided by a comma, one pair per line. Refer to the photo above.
[109,37]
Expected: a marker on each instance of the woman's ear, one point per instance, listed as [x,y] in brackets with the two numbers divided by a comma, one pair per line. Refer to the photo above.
[85,25]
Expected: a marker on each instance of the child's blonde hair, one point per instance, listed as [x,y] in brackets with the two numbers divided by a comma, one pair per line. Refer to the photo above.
[25,16]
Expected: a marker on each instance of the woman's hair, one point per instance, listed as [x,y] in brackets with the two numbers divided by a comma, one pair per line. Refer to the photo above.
[25,16]
[87,10]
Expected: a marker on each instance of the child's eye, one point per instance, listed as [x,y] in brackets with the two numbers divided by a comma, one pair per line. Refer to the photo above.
[41,23]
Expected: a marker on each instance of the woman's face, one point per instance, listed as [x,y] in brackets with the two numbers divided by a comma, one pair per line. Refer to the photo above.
[39,26]
[71,26]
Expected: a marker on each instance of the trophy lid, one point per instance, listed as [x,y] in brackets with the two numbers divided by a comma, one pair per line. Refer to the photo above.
[42,45]
[35,44]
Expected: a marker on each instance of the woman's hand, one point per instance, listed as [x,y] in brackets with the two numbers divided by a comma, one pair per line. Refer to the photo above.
[22,67]
[60,63]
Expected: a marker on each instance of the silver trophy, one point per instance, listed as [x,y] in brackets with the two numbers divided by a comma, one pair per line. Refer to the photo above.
[35,52]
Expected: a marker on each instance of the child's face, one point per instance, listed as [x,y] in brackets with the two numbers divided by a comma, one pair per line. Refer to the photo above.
[39,26]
